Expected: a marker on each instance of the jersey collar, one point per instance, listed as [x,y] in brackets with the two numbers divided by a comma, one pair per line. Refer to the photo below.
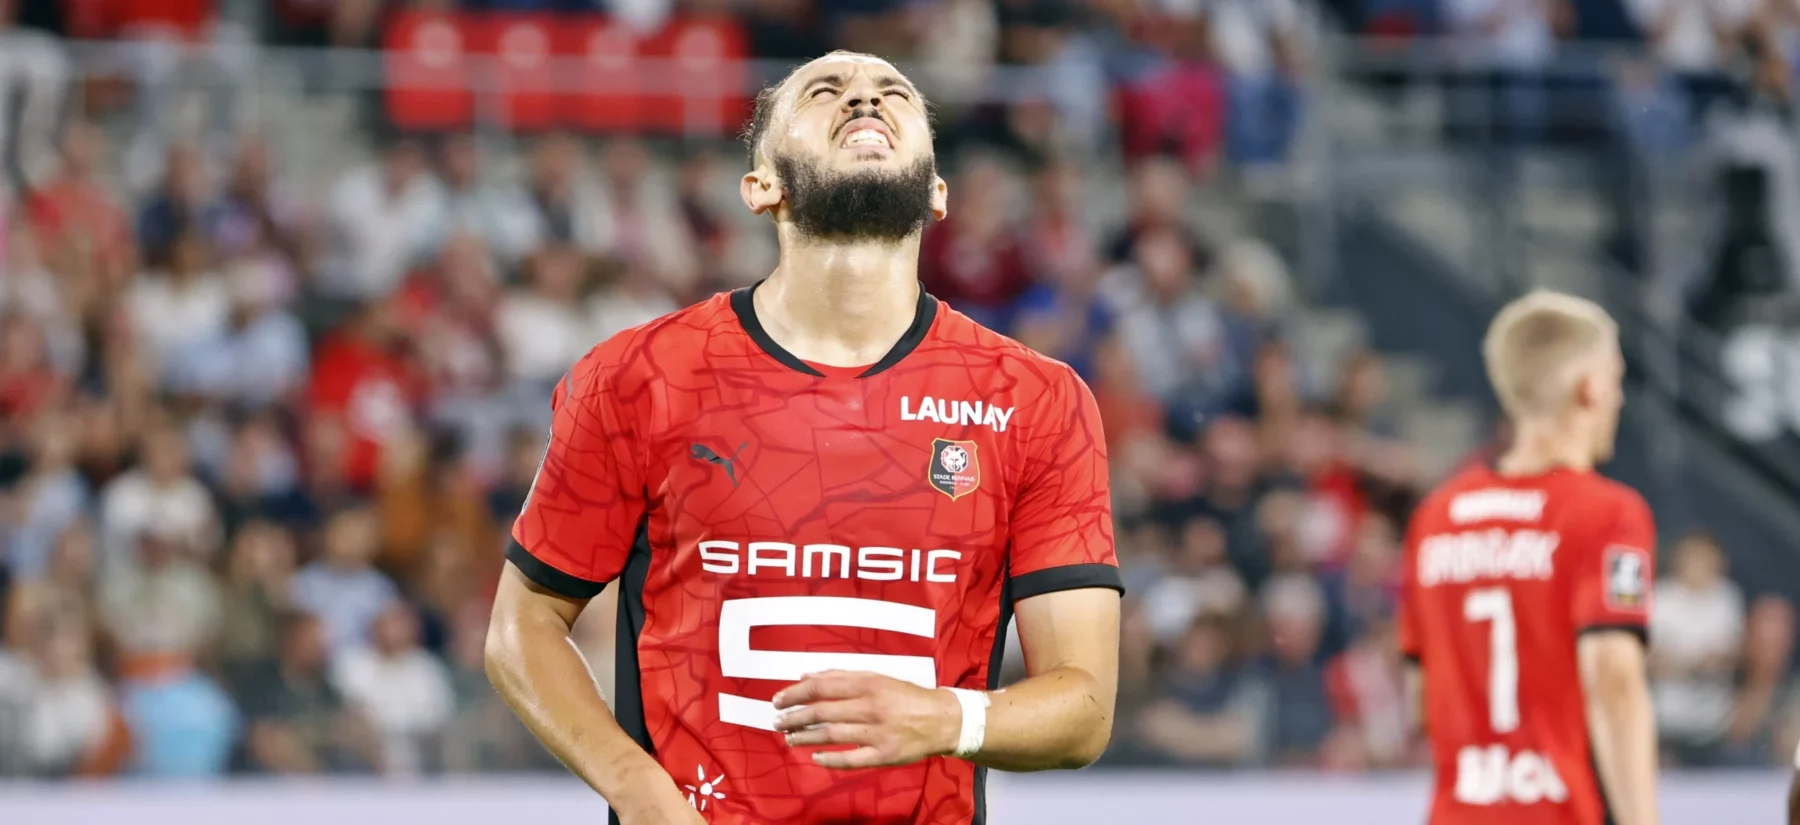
[745,309]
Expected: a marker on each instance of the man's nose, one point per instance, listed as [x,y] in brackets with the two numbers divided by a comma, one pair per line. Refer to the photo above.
[862,96]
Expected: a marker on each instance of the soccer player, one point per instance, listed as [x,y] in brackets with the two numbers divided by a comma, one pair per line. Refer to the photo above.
[1527,594]
[822,498]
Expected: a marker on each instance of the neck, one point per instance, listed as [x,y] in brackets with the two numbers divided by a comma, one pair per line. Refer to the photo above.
[1540,446]
[842,305]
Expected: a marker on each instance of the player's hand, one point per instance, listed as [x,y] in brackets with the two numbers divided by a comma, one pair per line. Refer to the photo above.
[889,721]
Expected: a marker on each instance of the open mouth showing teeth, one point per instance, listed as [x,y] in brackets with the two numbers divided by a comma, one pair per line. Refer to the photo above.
[866,137]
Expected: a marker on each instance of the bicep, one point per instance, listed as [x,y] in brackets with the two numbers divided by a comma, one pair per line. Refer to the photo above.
[1610,661]
[520,600]
[1072,629]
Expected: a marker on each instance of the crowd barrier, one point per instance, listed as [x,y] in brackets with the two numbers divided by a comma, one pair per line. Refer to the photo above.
[1045,799]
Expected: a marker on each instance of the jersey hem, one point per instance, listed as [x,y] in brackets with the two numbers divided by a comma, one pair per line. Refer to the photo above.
[548,577]
[1066,577]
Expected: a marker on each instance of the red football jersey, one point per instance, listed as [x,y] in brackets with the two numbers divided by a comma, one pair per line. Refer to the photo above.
[768,518]
[1503,573]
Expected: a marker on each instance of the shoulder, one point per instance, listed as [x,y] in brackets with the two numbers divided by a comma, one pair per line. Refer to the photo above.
[644,353]
[1003,361]
[1614,499]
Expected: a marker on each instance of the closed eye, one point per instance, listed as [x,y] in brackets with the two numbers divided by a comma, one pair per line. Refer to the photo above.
[825,89]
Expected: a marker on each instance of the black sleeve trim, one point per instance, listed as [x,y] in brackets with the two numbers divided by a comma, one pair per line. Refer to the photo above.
[1411,658]
[1066,577]
[550,578]
[1641,632]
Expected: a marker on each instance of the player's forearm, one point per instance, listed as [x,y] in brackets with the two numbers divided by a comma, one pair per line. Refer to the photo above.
[1624,731]
[1059,719]
[536,669]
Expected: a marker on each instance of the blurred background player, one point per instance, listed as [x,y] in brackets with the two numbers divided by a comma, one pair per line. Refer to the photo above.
[823,496]
[1527,594]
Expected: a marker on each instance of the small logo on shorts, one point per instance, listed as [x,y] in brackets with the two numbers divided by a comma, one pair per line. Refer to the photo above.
[954,470]
[1627,577]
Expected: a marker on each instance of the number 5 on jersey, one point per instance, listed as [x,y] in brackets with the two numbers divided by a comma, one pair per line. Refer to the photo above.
[738,660]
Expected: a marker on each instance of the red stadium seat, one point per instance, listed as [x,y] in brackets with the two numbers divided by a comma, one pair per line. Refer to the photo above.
[524,52]
[607,99]
[428,73]
[703,91]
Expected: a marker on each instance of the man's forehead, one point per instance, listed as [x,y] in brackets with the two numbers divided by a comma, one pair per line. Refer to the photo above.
[844,66]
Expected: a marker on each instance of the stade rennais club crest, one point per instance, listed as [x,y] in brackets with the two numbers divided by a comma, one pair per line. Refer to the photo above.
[954,470]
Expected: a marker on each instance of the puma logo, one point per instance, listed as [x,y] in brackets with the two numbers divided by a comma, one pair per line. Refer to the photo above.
[705,453]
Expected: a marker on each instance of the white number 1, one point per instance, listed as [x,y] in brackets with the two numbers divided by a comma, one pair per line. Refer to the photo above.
[1494,606]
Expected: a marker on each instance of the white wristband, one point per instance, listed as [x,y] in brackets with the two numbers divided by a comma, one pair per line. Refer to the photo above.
[974,721]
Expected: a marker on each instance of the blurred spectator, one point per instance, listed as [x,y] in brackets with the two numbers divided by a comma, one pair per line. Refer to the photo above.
[298,721]
[260,478]
[1296,720]
[161,609]
[180,204]
[404,691]
[1176,108]
[1258,44]
[1698,623]
[178,313]
[1694,44]
[542,330]
[565,207]
[255,213]
[1159,190]
[1752,736]
[635,297]
[46,502]
[1210,711]
[1173,332]
[1511,44]
[1365,591]
[498,214]
[383,219]
[257,590]
[361,396]
[1199,583]
[74,727]
[76,215]
[975,259]
[1368,699]
[160,495]
[342,587]
[34,72]
[639,218]
[258,355]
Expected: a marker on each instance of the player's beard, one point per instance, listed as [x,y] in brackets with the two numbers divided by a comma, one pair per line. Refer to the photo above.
[870,205]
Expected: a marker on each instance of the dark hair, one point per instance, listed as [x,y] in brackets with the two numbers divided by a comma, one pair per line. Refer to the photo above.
[759,119]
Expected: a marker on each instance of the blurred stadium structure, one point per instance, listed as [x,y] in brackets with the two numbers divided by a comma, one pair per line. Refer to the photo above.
[285,285]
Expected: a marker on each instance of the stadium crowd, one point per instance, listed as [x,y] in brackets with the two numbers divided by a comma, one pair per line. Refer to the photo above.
[259,451]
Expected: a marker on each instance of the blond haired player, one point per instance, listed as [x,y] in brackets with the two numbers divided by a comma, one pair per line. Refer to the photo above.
[1527,593]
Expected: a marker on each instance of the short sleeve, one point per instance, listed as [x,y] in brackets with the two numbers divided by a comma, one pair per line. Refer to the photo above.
[583,512]
[1411,641]
[1614,575]
[1062,531]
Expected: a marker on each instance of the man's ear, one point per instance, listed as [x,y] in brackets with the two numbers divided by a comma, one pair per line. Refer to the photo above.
[940,198]
[1585,393]
[761,190]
